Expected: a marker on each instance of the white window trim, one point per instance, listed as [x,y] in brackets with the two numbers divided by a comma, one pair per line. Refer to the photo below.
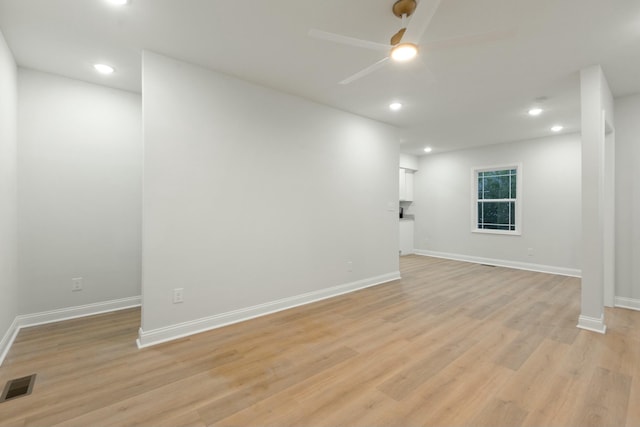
[518,202]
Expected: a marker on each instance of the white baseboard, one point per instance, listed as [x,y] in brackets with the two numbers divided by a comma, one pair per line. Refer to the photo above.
[593,324]
[35,319]
[180,330]
[562,271]
[27,320]
[630,303]
[8,339]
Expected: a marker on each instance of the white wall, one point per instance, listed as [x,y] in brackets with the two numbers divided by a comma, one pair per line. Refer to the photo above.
[627,113]
[408,161]
[79,192]
[251,195]
[550,203]
[8,201]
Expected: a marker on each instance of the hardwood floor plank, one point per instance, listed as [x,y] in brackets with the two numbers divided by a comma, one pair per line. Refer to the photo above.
[199,390]
[476,389]
[187,419]
[500,413]
[606,400]
[524,319]
[164,402]
[234,402]
[621,352]
[367,410]
[484,310]
[337,388]
[519,350]
[472,378]
[554,407]
[118,386]
[531,381]
[633,409]
[410,378]
[583,356]
[568,389]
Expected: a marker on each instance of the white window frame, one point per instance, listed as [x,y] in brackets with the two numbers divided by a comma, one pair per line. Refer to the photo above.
[517,200]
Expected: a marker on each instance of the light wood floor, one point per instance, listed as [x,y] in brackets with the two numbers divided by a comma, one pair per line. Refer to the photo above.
[450,344]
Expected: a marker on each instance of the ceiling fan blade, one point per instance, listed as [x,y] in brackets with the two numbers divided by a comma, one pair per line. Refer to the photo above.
[425,73]
[470,39]
[370,69]
[420,20]
[338,38]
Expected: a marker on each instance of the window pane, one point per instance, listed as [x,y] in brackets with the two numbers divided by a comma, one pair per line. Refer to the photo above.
[496,215]
[490,213]
[496,173]
[496,187]
[505,187]
[491,187]
[502,213]
[512,213]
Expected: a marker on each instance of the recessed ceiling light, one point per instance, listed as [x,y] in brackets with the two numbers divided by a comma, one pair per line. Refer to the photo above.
[427,149]
[404,52]
[557,128]
[535,111]
[119,2]
[395,106]
[104,68]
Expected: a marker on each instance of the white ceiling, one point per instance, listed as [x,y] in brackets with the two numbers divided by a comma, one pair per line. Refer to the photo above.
[455,97]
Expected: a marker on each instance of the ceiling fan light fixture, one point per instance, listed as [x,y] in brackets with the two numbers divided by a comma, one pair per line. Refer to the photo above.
[404,52]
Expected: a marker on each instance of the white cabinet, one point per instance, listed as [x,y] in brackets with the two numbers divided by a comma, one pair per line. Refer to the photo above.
[405,179]
[408,190]
[406,236]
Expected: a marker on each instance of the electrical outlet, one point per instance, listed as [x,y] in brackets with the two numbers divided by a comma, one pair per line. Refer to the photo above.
[76,284]
[530,251]
[178,295]
[349,266]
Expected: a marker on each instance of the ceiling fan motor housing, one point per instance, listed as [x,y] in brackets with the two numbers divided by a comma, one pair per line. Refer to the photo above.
[404,7]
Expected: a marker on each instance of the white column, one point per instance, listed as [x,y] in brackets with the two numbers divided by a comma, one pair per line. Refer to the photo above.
[597,110]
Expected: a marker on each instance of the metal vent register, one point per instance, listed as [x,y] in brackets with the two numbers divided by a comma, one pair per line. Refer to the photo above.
[18,387]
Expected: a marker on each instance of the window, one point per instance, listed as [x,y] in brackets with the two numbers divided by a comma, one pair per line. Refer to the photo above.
[497,200]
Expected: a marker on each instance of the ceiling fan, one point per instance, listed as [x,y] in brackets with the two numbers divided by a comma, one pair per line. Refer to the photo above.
[404,44]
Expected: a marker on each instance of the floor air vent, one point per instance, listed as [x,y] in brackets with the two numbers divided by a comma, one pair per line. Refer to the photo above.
[18,387]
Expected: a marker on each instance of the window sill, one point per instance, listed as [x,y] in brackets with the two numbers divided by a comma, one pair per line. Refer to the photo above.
[503,232]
